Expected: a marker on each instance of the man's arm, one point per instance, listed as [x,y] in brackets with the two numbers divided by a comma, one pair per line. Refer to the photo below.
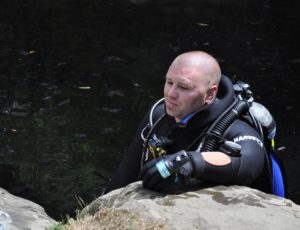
[242,169]
[216,167]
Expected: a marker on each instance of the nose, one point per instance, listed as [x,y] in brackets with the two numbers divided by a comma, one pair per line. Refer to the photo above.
[172,92]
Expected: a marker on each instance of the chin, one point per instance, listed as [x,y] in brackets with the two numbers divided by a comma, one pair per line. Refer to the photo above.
[170,113]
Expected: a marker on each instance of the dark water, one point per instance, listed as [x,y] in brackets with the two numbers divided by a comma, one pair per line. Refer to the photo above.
[77,75]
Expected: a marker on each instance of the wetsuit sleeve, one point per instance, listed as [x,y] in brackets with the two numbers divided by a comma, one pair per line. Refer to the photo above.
[128,169]
[243,169]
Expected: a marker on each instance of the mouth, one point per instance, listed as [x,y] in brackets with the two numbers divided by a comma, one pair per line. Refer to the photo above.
[170,104]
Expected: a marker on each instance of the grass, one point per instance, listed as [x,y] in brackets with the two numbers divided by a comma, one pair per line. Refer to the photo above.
[110,219]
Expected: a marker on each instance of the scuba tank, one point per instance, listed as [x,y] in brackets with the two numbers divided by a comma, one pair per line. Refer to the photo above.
[268,124]
[262,120]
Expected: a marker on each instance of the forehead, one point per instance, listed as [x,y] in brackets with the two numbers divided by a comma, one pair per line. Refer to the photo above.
[183,73]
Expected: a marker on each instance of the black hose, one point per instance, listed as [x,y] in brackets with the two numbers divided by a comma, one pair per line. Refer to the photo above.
[211,142]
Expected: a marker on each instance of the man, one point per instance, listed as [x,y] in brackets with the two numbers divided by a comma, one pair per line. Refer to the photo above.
[166,151]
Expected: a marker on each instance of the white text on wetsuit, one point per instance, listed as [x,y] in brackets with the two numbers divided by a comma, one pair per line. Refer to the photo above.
[246,137]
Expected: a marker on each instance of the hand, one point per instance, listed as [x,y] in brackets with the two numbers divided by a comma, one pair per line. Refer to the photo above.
[156,171]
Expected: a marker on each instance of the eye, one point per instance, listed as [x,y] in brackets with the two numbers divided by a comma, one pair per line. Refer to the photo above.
[169,82]
[183,87]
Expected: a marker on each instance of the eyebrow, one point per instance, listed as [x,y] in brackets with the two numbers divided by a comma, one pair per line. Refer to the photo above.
[181,81]
[185,83]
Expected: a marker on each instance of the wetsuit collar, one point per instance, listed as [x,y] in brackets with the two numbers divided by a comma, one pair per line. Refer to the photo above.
[185,120]
[208,113]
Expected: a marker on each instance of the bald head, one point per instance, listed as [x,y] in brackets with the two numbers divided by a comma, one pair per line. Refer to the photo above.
[191,83]
[205,64]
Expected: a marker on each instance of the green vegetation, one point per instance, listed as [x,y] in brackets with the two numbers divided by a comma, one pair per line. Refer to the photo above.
[57,227]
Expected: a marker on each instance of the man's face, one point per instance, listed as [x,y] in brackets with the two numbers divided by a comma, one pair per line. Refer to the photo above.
[185,91]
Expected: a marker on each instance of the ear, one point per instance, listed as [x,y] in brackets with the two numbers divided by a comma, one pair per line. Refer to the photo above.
[211,94]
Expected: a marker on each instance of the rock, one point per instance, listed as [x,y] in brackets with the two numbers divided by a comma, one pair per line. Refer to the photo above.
[220,207]
[23,213]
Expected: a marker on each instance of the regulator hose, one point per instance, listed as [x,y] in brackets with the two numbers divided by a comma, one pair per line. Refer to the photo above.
[211,141]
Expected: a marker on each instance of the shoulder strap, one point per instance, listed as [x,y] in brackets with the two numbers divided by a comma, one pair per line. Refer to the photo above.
[148,130]
[153,109]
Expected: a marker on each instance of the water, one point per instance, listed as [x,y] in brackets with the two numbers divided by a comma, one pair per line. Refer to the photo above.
[77,76]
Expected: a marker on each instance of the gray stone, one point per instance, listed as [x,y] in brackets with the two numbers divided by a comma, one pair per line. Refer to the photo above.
[220,207]
[23,213]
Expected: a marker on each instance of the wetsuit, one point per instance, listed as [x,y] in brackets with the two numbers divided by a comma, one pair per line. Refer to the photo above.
[244,169]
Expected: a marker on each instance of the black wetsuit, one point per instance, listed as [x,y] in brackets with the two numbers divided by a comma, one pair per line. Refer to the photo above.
[243,170]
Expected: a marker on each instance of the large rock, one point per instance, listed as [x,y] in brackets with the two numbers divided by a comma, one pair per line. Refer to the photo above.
[220,207]
[23,213]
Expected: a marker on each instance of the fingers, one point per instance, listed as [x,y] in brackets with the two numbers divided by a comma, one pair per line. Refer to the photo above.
[150,175]
[160,186]
[146,167]
[152,178]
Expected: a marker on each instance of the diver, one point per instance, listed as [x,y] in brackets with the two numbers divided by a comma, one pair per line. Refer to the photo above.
[177,145]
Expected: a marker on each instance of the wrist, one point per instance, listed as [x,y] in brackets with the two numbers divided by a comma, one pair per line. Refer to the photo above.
[172,163]
[198,163]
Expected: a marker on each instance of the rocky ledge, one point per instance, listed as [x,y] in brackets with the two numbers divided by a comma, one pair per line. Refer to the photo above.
[221,207]
[133,207]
